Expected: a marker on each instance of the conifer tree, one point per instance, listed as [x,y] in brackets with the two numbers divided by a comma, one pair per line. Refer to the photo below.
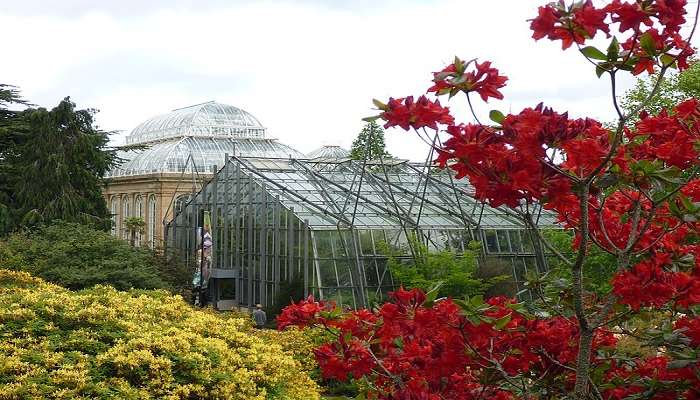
[369,143]
[52,164]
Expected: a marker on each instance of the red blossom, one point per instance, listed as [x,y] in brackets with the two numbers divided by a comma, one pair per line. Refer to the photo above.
[484,80]
[574,25]
[688,109]
[690,328]
[419,346]
[671,14]
[668,137]
[629,15]
[305,312]
[423,113]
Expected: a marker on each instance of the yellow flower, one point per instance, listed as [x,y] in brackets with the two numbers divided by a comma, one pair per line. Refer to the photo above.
[102,343]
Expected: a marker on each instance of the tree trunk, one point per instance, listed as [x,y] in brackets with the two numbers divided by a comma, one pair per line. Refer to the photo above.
[583,364]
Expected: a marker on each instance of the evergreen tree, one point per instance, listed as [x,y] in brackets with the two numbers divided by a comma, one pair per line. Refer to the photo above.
[369,143]
[52,164]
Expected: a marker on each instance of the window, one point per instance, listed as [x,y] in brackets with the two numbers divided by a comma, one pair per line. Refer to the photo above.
[114,210]
[138,212]
[126,213]
[151,221]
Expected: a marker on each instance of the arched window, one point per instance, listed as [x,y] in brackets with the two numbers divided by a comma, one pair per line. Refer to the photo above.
[114,210]
[152,221]
[138,212]
[126,213]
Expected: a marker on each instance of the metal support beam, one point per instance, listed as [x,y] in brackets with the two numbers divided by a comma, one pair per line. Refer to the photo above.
[250,242]
[263,246]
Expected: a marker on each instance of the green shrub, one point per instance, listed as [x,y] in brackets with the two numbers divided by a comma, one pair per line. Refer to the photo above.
[77,256]
[599,266]
[455,272]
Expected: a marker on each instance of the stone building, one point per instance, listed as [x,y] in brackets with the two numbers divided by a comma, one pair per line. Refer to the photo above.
[178,152]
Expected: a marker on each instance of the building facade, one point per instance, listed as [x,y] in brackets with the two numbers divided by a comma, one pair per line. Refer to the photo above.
[168,158]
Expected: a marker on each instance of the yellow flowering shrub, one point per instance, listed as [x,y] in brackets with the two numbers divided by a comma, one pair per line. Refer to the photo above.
[106,344]
[296,342]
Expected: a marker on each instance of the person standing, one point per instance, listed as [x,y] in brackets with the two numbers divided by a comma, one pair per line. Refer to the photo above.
[259,316]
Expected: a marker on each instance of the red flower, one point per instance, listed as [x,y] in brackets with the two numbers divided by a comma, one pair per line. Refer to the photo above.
[485,80]
[305,312]
[406,113]
[671,14]
[590,19]
[687,109]
[577,24]
[543,24]
[629,15]
[691,329]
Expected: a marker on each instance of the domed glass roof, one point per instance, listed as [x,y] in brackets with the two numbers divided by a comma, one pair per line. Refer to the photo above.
[204,120]
[329,151]
[199,154]
[197,138]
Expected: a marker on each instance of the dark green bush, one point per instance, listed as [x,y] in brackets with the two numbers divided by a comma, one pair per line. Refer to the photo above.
[77,256]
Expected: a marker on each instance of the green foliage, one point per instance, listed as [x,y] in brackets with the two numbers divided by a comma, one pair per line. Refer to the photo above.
[77,256]
[288,293]
[369,143]
[134,226]
[599,266]
[672,90]
[454,273]
[51,165]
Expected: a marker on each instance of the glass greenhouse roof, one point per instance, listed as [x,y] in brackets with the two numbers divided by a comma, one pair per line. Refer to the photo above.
[205,120]
[329,152]
[330,194]
[196,153]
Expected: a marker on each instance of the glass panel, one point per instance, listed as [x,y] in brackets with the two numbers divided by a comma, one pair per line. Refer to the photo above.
[503,241]
[491,241]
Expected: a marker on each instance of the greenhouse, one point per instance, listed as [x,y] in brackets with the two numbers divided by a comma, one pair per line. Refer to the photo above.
[330,224]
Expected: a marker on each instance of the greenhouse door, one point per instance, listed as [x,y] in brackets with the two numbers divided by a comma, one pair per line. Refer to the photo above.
[223,291]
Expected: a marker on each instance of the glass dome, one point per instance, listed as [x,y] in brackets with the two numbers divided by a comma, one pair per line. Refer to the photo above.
[196,138]
[190,153]
[209,119]
[329,151]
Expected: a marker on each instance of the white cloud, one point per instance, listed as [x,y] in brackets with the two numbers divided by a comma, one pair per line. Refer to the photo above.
[308,70]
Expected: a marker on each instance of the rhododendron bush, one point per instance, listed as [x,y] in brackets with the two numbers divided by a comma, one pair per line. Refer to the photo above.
[631,190]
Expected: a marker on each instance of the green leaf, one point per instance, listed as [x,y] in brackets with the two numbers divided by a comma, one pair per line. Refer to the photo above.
[432,294]
[668,60]
[459,64]
[496,116]
[647,43]
[477,300]
[371,119]
[502,322]
[613,49]
[379,104]
[600,70]
[592,52]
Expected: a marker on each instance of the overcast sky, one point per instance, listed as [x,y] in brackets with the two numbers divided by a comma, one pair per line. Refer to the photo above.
[307,70]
